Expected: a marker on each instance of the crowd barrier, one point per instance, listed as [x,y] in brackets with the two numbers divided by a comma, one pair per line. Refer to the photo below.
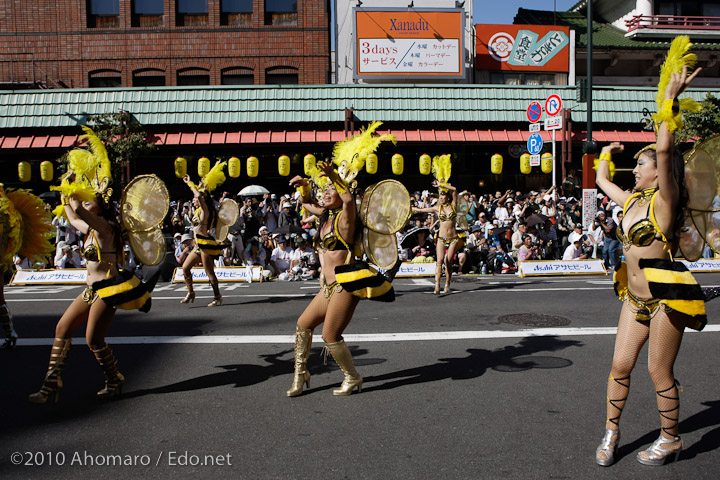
[78,276]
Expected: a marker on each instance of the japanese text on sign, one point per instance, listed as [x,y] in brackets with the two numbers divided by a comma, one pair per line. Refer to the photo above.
[409,55]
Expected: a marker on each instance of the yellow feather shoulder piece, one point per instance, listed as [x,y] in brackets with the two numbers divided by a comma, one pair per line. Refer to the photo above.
[676,59]
[442,168]
[215,177]
[10,231]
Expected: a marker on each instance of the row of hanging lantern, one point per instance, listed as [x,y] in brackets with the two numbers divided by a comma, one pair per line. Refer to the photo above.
[546,163]
[371,165]
[25,171]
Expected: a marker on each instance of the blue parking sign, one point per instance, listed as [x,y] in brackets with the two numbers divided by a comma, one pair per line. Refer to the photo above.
[535,144]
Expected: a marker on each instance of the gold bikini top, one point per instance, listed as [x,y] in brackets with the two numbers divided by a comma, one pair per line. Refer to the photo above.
[92,252]
[332,241]
[444,217]
[643,232]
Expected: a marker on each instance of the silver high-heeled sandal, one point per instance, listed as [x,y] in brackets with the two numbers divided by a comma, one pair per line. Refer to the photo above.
[608,447]
[657,454]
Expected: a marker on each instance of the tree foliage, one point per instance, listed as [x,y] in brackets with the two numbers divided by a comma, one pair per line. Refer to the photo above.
[704,124]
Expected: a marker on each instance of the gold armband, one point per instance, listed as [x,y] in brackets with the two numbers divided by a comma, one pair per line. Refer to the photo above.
[605,157]
[65,200]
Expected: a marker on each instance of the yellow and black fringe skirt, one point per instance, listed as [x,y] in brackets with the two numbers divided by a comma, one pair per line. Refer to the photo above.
[208,245]
[363,281]
[672,284]
[125,291]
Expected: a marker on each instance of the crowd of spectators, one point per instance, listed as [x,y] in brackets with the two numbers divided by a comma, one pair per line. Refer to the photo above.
[500,229]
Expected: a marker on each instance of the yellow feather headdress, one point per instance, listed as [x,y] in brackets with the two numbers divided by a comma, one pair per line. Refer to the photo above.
[676,59]
[441,169]
[350,154]
[214,178]
[91,168]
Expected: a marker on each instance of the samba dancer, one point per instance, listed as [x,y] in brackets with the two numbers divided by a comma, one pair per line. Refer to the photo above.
[344,280]
[24,225]
[204,220]
[448,241]
[660,296]
[87,203]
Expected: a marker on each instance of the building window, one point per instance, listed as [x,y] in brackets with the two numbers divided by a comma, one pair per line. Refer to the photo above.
[193,76]
[692,8]
[147,13]
[281,12]
[103,13]
[502,78]
[104,78]
[191,13]
[281,76]
[149,77]
[237,76]
[236,12]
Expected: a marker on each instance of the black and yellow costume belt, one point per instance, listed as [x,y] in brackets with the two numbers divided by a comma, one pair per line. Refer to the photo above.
[125,291]
[208,245]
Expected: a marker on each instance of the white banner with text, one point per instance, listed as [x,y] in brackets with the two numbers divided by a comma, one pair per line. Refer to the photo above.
[561,267]
[223,274]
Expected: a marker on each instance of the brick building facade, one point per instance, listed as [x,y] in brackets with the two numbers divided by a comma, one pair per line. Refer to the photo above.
[126,43]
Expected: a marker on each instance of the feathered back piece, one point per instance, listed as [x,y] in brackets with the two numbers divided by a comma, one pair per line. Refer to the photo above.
[350,154]
[214,178]
[441,168]
[24,227]
[677,57]
[91,168]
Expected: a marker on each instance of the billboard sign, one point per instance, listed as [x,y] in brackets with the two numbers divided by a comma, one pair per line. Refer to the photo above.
[522,48]
[417,43]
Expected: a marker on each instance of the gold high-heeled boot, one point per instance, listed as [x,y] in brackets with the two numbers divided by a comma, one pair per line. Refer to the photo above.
[190,297]
[114,380]
[343,357]
[53,381]
[303,342]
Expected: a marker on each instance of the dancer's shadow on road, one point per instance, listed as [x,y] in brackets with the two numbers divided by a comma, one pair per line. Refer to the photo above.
[511,358]
[244,375]
[709,442]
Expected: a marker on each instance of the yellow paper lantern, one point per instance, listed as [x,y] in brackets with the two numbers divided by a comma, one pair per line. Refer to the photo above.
[253,165]
[308,163]
[397,164]
[546,162]
[24,173]
[525,163]
[203,166]
[180,167]
[284,165]
[496,164]
[46,171]
[371,163]
[234,167]
[425,164]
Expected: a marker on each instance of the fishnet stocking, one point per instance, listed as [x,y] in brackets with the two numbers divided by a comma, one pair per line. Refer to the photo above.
[666,332]
[335,312]
[630,338]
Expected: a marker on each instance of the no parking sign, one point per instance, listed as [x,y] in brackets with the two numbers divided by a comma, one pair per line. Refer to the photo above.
[534,112]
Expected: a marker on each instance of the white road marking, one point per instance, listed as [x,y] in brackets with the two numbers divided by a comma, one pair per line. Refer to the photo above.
[360,337]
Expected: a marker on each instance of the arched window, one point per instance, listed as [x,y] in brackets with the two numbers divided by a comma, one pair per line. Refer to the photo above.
[281,76]
[104,78]
[193,76]
[237,76]
[149,77]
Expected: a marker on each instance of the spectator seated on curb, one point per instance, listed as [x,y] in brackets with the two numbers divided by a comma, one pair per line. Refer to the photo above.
[304,263]
[280,258]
